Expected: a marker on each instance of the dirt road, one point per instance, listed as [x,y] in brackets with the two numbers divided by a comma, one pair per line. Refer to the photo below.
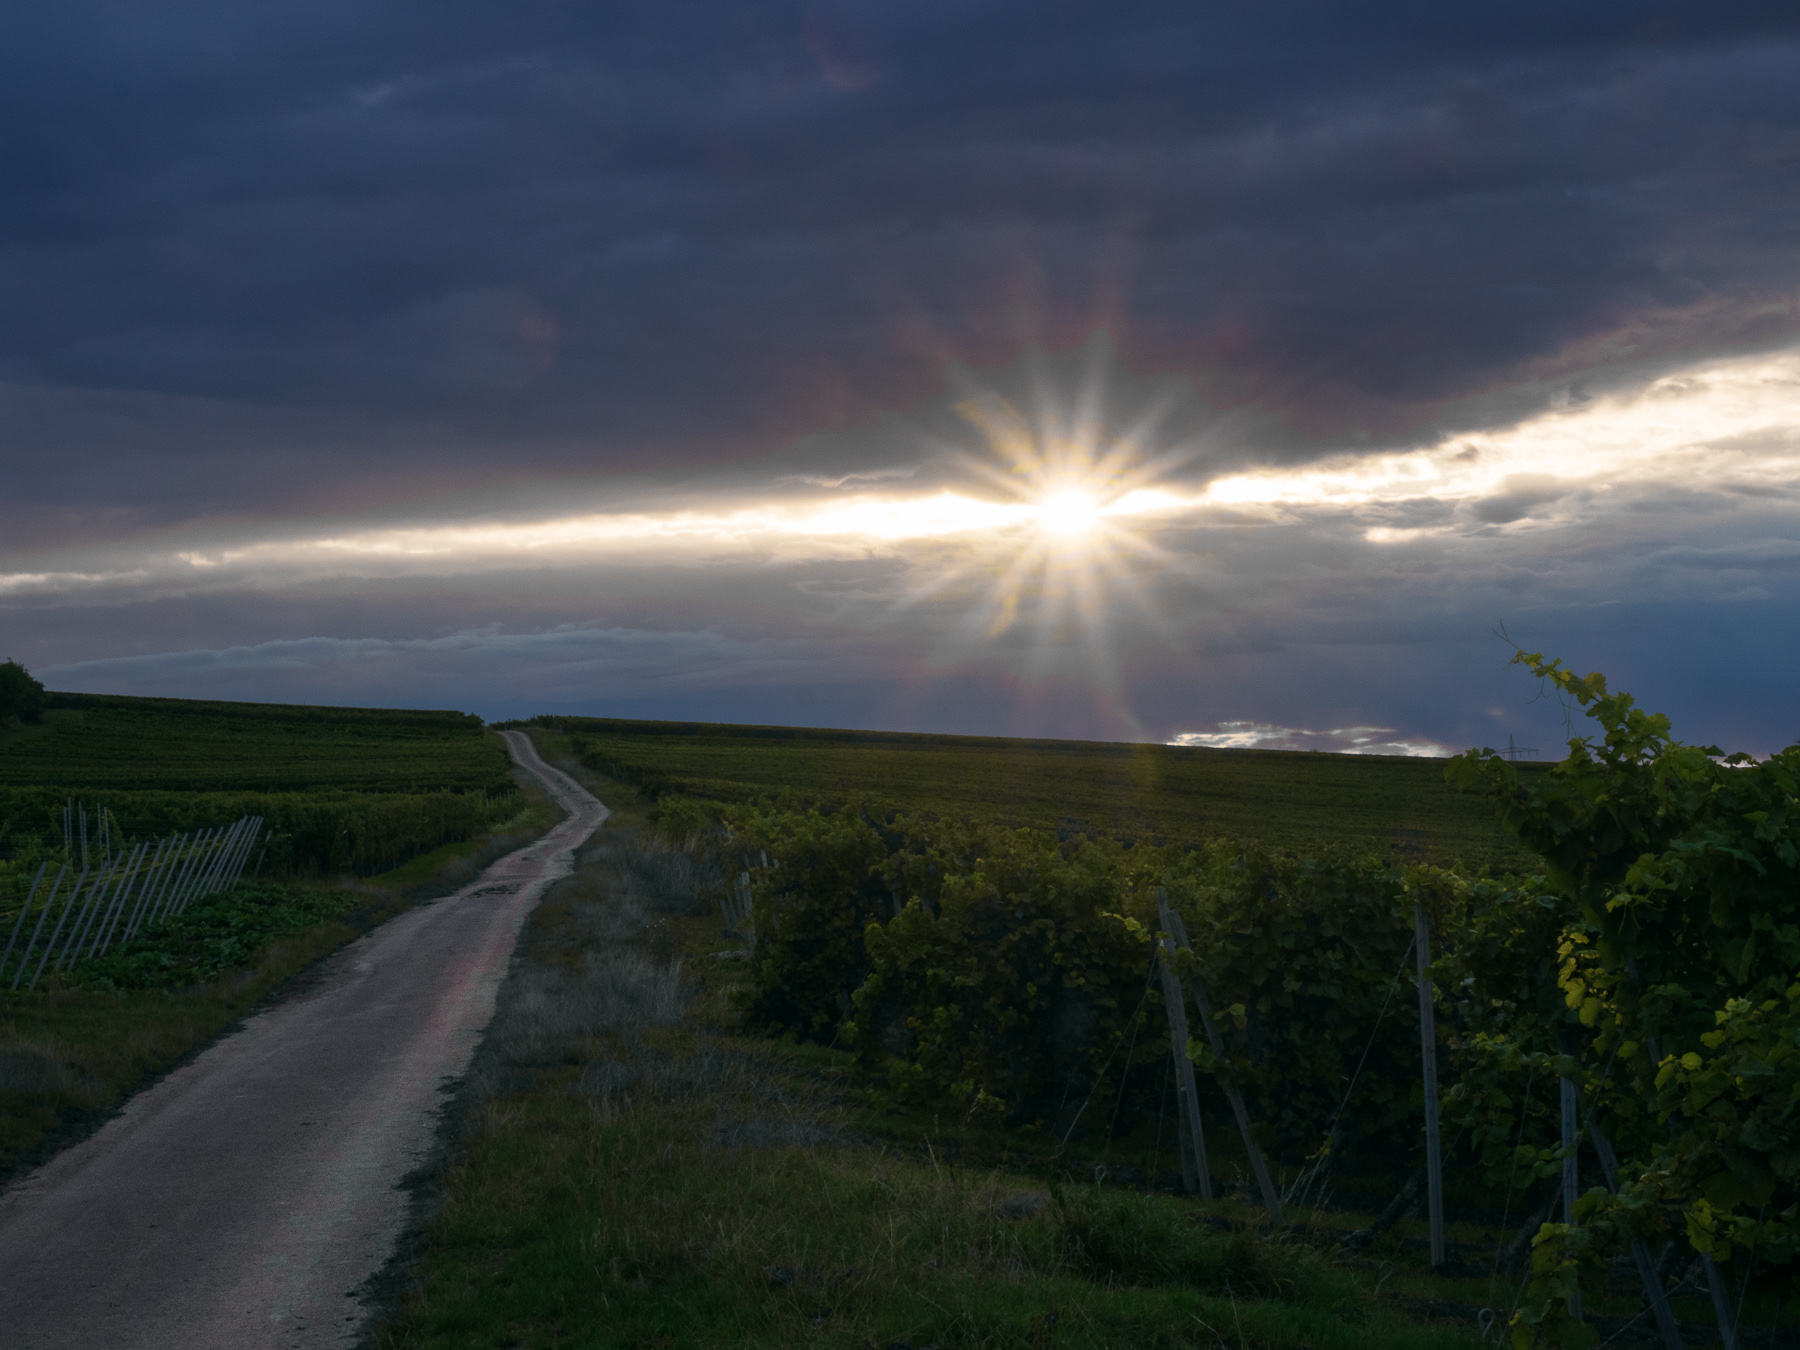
[239,1203]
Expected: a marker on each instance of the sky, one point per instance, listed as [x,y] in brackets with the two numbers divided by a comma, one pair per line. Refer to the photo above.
[1216,374]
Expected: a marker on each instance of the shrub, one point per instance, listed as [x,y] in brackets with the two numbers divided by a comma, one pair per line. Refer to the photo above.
[1012,983]
[1305,965]
[1678,871]
[304,833]
[20,695]
[810,910]
[1004,969]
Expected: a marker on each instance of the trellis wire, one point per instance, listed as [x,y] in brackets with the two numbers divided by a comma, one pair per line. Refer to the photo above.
[1143,998]
[129,892]
[42,915]
[1191,1143]
[55,933]
[97,892]
[1512,1172]
[1640,1252]
[23,910]
[1177,931]
[1571,1184]
[1297,1193]
[1107,1067]
[157,887]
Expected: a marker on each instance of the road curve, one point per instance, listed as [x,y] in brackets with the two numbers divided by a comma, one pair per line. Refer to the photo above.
[241,1201]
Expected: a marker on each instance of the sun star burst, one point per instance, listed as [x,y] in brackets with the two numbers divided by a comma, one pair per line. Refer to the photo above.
[1081,557]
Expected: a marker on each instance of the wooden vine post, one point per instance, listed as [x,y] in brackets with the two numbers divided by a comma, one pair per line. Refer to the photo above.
[1177,931]
[1190,1142]
[1434,1162]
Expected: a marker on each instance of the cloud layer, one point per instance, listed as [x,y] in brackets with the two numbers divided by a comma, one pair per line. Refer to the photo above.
[1341,740]
[612,357]
[1168,591]
[304,251]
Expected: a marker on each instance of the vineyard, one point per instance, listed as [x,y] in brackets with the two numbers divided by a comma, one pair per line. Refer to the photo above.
[1614,1034]
[1297,802]
[100,742]
[341,790]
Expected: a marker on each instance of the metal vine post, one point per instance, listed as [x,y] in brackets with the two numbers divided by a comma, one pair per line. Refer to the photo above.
[1434,1163]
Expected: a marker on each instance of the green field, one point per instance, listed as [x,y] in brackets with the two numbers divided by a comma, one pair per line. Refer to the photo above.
[1298,801]
[341,790]
[96,742]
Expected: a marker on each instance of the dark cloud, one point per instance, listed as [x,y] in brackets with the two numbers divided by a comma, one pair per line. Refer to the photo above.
[1519,495]
[550,668]
[483,242]
[1753,557]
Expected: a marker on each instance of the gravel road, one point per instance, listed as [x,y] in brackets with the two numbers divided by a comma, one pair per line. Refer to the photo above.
[241,1201]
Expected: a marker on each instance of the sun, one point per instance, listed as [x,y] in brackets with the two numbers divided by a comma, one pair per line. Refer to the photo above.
[1073,529]
[1069,513]
[1071,553]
